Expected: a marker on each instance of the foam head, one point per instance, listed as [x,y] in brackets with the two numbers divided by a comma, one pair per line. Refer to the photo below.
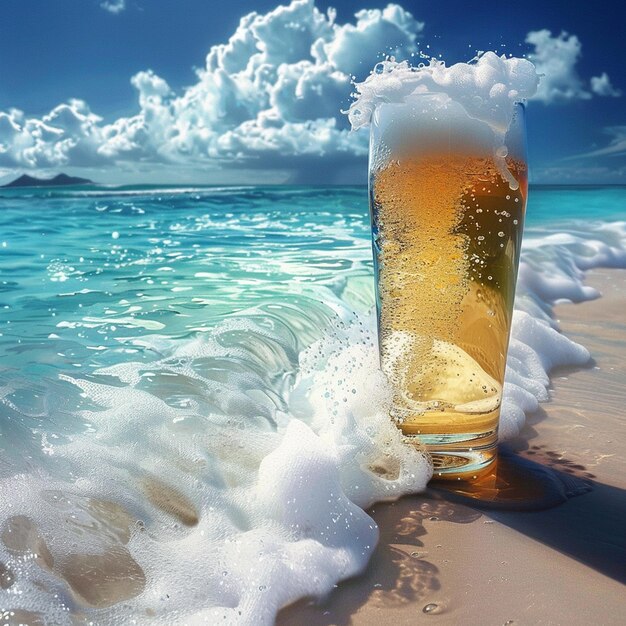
[467,108]
[487,88]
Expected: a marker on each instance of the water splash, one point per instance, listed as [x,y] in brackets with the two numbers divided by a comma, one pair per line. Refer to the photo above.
[217,467]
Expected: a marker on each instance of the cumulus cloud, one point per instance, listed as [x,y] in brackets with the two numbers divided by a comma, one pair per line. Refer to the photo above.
[555,58]
[393,31]
[272,92]
[269,97]
[69,132]
[601,85]
[113,6]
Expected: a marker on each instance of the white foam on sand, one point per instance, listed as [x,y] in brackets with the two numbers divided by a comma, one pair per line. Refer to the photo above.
[244,460]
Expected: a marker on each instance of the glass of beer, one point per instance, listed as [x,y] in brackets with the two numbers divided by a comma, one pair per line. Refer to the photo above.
[447,204]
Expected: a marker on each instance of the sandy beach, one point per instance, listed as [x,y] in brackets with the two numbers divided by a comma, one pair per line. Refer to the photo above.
[453,564]
[142,467]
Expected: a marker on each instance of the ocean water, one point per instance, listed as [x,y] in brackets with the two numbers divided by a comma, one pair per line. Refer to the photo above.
[192,418]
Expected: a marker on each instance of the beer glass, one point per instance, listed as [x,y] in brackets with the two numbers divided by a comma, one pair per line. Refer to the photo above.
[447,202]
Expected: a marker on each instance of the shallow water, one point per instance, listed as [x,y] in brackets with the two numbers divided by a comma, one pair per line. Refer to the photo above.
[192,416]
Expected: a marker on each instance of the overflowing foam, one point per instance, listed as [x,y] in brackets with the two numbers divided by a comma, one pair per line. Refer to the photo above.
[475,101]
[486,88]
[228,476]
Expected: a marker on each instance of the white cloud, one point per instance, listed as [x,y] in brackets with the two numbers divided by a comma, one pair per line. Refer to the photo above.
[555,58]
[616,147]
[393,31]
[70,132]
[601,85]
[271,93]
[270,97]
[113,6]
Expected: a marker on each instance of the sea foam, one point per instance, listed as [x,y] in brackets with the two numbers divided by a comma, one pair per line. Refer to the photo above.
[228,477]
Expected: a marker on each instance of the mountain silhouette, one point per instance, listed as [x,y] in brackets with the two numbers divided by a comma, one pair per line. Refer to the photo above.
[57,181]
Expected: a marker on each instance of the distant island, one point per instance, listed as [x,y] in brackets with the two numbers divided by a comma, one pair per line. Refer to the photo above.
[57,181]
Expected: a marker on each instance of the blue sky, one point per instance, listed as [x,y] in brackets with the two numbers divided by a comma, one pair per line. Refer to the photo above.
[122,90]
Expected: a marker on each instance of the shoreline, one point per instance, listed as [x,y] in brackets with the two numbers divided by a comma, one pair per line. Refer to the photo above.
[448,562]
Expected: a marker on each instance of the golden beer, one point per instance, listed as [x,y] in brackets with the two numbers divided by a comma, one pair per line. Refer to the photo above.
[447,229]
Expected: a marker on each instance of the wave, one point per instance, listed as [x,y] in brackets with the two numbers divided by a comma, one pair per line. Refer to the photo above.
[105,191]
[228,477]
[202,191]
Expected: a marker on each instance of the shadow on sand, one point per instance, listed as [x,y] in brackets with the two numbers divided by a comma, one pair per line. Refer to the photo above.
[398,573]
[588,528]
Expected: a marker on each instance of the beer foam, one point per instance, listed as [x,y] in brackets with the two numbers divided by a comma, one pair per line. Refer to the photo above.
[228,477]
[487,87]
[485,90]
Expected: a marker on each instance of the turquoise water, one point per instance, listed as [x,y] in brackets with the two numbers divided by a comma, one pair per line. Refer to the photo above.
[85,273]
[81,270]
[218,340]
[557,205]
[94,266]
[91,269]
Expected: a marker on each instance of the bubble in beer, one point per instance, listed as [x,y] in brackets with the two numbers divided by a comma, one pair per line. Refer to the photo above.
[435,244]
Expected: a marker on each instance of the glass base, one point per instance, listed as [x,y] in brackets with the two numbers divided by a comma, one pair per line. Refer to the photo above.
[467,456]
[513,483]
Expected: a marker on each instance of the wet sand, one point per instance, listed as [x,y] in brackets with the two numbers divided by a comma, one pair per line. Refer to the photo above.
[448,563]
